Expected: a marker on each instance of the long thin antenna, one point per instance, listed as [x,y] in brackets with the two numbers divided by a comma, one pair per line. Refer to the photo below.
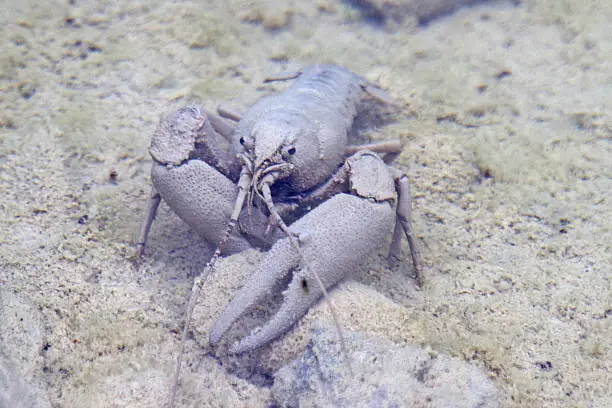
[243,184]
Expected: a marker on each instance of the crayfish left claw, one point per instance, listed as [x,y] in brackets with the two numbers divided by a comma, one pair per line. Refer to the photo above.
[302,292]
[338,236]
[279,261]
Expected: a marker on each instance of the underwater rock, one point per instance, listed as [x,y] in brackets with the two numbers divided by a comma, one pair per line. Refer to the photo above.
[20,343]
[14,391]
[384,374]
[398,10]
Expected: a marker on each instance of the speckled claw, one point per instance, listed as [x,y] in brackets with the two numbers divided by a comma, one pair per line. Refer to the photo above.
[197,179]
[335,238]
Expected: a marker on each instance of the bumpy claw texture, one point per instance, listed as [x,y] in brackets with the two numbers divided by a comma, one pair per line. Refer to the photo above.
[196,178]
[188,134]
[202,197]
[335,239]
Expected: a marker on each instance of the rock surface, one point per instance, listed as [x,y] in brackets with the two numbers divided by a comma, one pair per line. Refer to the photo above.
[20,361]
[398,10]
[384,374]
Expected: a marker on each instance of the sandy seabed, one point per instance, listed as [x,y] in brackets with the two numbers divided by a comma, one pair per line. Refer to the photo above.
[508,133]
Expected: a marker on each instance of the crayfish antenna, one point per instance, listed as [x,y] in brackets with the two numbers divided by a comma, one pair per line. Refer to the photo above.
[243,185]
[267,195]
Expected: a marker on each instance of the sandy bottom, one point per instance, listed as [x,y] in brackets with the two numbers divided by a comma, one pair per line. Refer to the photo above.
[508,133]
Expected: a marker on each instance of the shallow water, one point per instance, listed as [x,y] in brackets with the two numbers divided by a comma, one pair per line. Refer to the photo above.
[508,129]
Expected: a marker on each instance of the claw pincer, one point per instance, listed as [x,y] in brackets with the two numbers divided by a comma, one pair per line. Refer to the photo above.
[335,239]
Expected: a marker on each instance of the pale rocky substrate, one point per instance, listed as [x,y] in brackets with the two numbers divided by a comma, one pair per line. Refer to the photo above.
[21,342]
[308,367]
[397,11]
[508,143]
[382,374]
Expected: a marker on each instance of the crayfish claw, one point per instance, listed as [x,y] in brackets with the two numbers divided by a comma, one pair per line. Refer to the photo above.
[334,239]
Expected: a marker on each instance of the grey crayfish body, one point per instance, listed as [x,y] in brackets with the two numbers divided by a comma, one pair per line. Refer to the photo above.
[304,128]
[287,157]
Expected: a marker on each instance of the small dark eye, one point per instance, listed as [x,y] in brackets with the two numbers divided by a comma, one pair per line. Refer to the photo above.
[241,141]
[304,284]
[291,151]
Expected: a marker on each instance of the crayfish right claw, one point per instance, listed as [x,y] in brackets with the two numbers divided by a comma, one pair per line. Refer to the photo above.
[334,239]
[279,262]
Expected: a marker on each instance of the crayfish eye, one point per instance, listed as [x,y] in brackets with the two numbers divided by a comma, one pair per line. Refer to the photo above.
[291,151]
[241,141]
